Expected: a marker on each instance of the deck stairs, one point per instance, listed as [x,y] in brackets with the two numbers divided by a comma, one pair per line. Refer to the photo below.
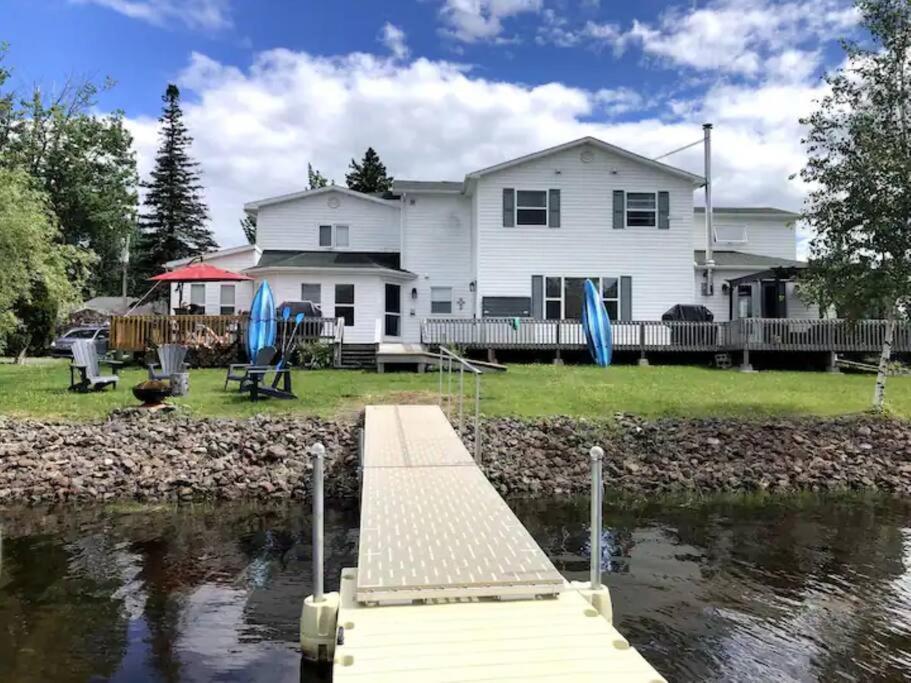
[358,357]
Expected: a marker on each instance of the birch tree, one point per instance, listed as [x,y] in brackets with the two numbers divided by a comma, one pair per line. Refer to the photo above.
[859,169]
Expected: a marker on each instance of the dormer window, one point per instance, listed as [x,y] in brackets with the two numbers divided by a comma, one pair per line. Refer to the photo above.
[333,236]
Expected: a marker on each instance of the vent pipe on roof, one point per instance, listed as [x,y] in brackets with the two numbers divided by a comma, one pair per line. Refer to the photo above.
[709,230]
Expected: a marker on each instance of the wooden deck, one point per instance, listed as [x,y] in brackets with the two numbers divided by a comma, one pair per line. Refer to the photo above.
[785,334]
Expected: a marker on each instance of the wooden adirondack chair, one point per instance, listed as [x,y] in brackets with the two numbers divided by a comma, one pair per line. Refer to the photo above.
[170,361]
[86,363]
[238,372]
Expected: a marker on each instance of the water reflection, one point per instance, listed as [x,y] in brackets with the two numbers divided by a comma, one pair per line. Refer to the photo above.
[803,590]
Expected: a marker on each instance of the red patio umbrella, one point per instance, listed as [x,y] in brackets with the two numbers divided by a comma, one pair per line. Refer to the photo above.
[199,272]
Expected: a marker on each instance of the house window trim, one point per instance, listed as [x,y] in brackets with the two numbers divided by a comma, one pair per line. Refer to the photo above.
[333,236]
[194,286]
[562,298]
[626,210]
[545,209]
[319,286]
[221,304]
[451,299]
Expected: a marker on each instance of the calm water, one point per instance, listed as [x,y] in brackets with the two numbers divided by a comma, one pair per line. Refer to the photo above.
[795,591]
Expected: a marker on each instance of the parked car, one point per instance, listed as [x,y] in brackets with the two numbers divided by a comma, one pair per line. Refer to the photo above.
[62,345]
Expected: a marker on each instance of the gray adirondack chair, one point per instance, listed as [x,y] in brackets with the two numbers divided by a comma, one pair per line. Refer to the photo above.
[86,364]
[170,361]
[237,372]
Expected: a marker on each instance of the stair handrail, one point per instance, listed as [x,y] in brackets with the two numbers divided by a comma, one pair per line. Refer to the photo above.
[463,365]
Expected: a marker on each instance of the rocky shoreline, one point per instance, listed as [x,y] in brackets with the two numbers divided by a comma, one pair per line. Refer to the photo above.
[161,458]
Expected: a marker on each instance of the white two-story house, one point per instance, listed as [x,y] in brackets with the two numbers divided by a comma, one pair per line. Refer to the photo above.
[517,240]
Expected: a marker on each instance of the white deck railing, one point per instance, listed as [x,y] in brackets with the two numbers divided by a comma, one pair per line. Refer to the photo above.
[785,334]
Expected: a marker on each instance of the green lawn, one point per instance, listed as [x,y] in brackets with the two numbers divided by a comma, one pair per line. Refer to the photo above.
[525,390]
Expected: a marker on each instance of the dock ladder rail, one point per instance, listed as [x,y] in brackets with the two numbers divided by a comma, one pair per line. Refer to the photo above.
[447,359]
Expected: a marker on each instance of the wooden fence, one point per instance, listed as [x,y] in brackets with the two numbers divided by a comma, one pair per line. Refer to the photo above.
[139,332]
[784,334]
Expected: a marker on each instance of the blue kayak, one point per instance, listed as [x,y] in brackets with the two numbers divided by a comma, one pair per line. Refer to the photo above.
[262,327]
[596,324]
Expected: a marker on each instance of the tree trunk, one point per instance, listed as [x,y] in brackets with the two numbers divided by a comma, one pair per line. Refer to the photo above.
[879,391]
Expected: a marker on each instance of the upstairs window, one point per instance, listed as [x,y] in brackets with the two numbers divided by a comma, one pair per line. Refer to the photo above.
[641,209]
[531,207]
[333,236]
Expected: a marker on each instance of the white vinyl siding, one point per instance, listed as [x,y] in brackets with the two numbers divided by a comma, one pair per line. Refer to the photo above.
[764,235]
[294,224]
[438,247]
[660,262]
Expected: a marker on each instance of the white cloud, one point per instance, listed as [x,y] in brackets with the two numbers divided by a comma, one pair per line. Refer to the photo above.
[472,21]
[738,36]
[203,14]
[256,129]
[614,101]
[393,38]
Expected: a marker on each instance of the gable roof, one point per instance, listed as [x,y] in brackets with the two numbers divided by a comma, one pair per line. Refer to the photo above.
[742,259]
[211,254]
[281,258]
[749,211]
[427,186]
[253,207]
[595,142]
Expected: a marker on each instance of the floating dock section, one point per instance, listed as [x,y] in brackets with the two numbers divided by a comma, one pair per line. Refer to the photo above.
[450,586]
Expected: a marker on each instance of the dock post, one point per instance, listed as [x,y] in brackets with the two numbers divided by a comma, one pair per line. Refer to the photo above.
[317,457]
[597,455]
[319,614]
[477,418]
[461,399]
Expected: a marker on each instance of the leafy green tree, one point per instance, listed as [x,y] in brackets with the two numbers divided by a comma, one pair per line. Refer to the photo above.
[859,165]
[315,179]
[85,164]
[41,278]
[248,225]
[173,222]
[369,176]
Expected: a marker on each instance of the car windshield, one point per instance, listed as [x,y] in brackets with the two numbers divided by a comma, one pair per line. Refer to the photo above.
[80,334]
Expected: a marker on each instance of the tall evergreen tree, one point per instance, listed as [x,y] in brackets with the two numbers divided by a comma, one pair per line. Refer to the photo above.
[859,149]
[369,175]
[174,217]
[315,179]
[248,225]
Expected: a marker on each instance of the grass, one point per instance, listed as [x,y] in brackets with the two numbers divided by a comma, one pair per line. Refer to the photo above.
[39,390]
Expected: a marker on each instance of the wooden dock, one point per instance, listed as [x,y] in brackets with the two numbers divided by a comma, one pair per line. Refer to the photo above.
[450,586]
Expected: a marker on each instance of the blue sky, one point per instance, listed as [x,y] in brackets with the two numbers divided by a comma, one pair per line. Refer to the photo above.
[441,87]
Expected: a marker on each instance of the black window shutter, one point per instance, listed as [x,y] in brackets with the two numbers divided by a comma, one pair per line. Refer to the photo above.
[619,209]
[554,205]
[664,211]
[509,206]
[537,297]
[626,298]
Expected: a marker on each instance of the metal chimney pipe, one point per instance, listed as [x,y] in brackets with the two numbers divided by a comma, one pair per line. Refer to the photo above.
[709,229]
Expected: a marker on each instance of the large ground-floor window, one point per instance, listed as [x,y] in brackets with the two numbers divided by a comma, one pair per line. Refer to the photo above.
[344,303]
[564,296]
